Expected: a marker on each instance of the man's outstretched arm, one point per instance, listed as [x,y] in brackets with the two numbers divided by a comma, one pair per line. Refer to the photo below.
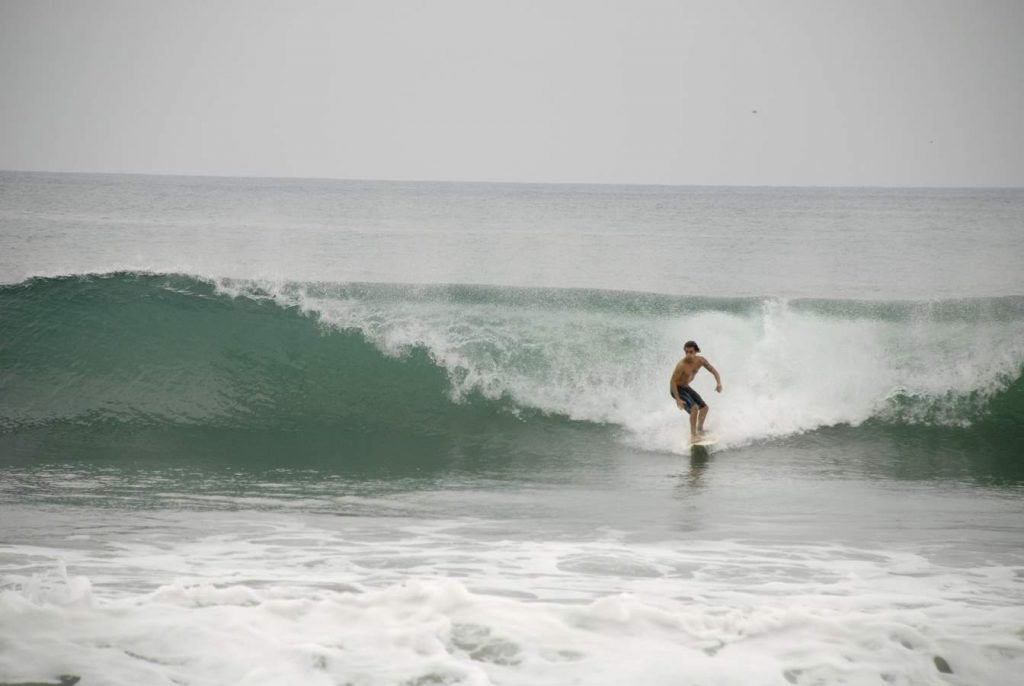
[714,372]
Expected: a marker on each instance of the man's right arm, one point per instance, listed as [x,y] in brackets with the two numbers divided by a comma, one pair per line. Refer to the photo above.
[677,375]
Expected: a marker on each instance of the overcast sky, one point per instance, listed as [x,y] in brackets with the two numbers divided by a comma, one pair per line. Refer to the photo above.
[790,92]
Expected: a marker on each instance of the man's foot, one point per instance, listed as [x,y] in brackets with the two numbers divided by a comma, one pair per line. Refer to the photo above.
[694,438]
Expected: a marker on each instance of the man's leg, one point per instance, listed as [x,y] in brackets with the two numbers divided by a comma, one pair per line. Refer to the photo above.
[702,414]
[694,433]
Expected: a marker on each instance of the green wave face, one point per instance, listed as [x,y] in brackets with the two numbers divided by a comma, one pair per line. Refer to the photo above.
[164,367]
[148,350]
[158,366]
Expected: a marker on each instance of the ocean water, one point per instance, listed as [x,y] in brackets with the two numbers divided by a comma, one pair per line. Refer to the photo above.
[322,432]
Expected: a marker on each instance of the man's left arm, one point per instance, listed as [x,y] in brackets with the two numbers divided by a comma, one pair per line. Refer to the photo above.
[714,372]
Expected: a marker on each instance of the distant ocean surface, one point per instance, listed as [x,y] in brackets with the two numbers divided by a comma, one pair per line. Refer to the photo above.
[335,432]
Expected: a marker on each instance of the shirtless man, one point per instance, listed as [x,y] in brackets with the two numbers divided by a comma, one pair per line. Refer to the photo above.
[685,396]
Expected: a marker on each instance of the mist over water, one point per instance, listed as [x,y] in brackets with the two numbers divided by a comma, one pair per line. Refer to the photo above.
[345,432]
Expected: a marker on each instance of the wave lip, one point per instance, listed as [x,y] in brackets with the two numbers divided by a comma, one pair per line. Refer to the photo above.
[131,349]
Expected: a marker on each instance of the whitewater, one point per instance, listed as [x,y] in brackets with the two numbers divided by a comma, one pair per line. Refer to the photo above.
[305,431]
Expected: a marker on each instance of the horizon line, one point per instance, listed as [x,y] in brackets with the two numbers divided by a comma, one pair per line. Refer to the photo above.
[500,183]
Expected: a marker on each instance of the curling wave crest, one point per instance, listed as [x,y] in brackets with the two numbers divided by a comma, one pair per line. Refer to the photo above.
[128,348]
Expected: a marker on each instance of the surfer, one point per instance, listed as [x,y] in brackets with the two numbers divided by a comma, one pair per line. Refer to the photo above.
[685,396]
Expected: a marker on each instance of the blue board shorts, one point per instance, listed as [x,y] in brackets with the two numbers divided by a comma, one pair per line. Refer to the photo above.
[690,397]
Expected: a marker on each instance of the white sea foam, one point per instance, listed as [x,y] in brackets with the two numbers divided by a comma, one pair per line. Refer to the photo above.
[433,603]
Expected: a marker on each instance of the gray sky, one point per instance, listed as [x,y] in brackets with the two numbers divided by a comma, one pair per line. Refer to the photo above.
[854,92]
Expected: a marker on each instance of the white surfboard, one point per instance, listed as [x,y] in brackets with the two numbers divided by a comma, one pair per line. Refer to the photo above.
[705,440]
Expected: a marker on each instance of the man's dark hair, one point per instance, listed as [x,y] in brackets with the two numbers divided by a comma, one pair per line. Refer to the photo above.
[691,344]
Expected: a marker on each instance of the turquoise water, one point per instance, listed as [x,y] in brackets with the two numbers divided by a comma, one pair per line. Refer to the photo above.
[273,431]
